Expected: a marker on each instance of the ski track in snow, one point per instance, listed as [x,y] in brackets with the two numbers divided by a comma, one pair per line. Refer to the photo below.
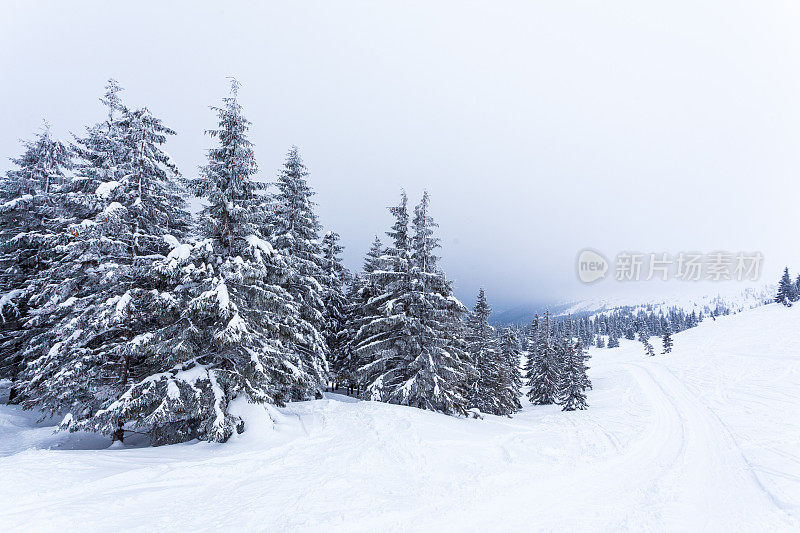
[706,438]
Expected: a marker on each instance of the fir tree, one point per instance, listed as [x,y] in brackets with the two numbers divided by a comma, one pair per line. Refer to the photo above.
[493,389]
[221,326]
[667,341]
[544,374]
[410,344]
[68,337]
[645,340]
[358,313]
[574,381]
[335,301]
[613,340]
[785,292]
[294,232]
[31,217]
[600,343]
[511,348]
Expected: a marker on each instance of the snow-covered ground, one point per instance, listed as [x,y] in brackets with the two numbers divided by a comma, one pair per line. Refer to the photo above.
[706,438]
[731,297]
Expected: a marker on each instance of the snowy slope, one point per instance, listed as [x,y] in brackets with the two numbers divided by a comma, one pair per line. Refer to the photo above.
[704,438]
[734,299]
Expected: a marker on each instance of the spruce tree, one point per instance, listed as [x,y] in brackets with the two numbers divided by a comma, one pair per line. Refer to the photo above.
[73,302]
[797,285]
[483,351]
[335,300]
[600,343]
[222,326]
[363,288]
[492,389]
[785,292]
[373,259]
[645,340]
[574,381]
[511,351]
[31,218]
[511,348]
[294,232]
[544,374]
[613,340]
[530,342]
[667,341]
[410,344]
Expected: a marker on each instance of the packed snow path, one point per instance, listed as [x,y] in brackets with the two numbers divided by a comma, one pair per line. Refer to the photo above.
[705,438]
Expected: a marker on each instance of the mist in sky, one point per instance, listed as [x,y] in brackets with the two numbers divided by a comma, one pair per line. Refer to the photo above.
[539,128]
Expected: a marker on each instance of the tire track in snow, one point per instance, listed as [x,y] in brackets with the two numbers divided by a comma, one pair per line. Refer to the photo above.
[709,459]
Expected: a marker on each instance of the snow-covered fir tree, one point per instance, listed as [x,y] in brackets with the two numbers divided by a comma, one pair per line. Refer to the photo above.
[66,340]
[221,326]
[511,349]
[294,232]
[644,338]
[600,342]
[31,219]
[785,289]
[372,261]
[128,207]
[335,300]
[361,290]
[530,345]
[666,340]
[492,389]
[574,381]
[613,340]
[410,346]
[544,370]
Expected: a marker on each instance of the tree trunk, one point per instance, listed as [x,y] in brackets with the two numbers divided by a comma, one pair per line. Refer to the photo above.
[119,434]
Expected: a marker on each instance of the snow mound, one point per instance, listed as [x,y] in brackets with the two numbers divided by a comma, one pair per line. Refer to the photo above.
[703,438]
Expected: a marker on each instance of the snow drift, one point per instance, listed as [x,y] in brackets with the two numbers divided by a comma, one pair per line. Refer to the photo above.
[703,438]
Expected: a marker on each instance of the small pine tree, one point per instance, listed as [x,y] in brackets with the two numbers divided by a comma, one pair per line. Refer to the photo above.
[544,374]
[511,348]
[493,389]
[613,341]
[667,341]
[574,380]
[358,313]
[530,345]
[600,343]
[785,289]
[645,340]
[336,277]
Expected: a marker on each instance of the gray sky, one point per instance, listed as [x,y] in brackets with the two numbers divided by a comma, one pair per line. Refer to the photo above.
[539,128]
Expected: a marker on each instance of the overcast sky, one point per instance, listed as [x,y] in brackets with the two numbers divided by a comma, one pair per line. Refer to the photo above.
[539,128]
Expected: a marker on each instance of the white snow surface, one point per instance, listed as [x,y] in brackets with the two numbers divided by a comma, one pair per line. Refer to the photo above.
[704,439]
[733,298]
[104,189]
